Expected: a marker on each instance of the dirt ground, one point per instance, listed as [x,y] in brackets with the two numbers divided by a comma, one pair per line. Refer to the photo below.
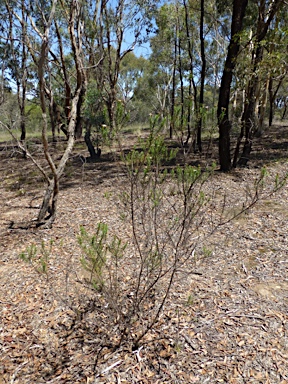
[225,323]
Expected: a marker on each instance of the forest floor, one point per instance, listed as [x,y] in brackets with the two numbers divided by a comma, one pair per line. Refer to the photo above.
[225,322]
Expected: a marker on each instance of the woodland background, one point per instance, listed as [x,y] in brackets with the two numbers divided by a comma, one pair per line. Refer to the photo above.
[143,191]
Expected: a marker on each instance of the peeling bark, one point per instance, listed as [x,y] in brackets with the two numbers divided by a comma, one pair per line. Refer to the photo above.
[48,208]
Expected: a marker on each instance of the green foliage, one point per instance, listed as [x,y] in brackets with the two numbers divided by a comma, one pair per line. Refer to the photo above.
[29,255]
[9,109]
[122,116]
[99,254]
[38,257]
[187,175]
[132,70]
[260,182]
[207,252]
[154,152]
[190,300]
[33,114]
[93,109]
[163,204]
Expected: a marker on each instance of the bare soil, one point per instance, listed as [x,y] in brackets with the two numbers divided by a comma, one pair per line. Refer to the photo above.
[225,323]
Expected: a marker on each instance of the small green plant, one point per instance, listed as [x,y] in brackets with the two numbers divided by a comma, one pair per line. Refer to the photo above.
[30,254]
[206,252]
[38,258]
[190,300]
[101,257]
[178,347]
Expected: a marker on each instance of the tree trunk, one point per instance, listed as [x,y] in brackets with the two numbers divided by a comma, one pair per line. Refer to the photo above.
[249,120]
[263,106]
[192,86]
[53,117]
[172,107]
[224,124]
[271,103]
[49,204]
[257,105]
[79,121]
[94,155]
[202,80]
[273,95]
[50,198]
[284,110]
[180,70]
[23,127]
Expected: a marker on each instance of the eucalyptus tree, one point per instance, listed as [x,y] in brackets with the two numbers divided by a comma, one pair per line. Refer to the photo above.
[115,28]
[145,99]
[272,72]
[131,71]
[163,61]
[68,42]
[277,60]
[266,13]
[248,74]
[14,53]
[174,54]
[189,45]
[283,103]
[4,49]
[40,40]
[75,26]
[202,76]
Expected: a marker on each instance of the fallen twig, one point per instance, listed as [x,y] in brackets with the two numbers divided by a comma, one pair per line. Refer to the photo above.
[109,368]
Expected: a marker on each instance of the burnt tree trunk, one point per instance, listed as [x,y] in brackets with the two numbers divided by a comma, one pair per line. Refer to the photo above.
[224,123]
[192,89]
[172,106]
[202,80]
